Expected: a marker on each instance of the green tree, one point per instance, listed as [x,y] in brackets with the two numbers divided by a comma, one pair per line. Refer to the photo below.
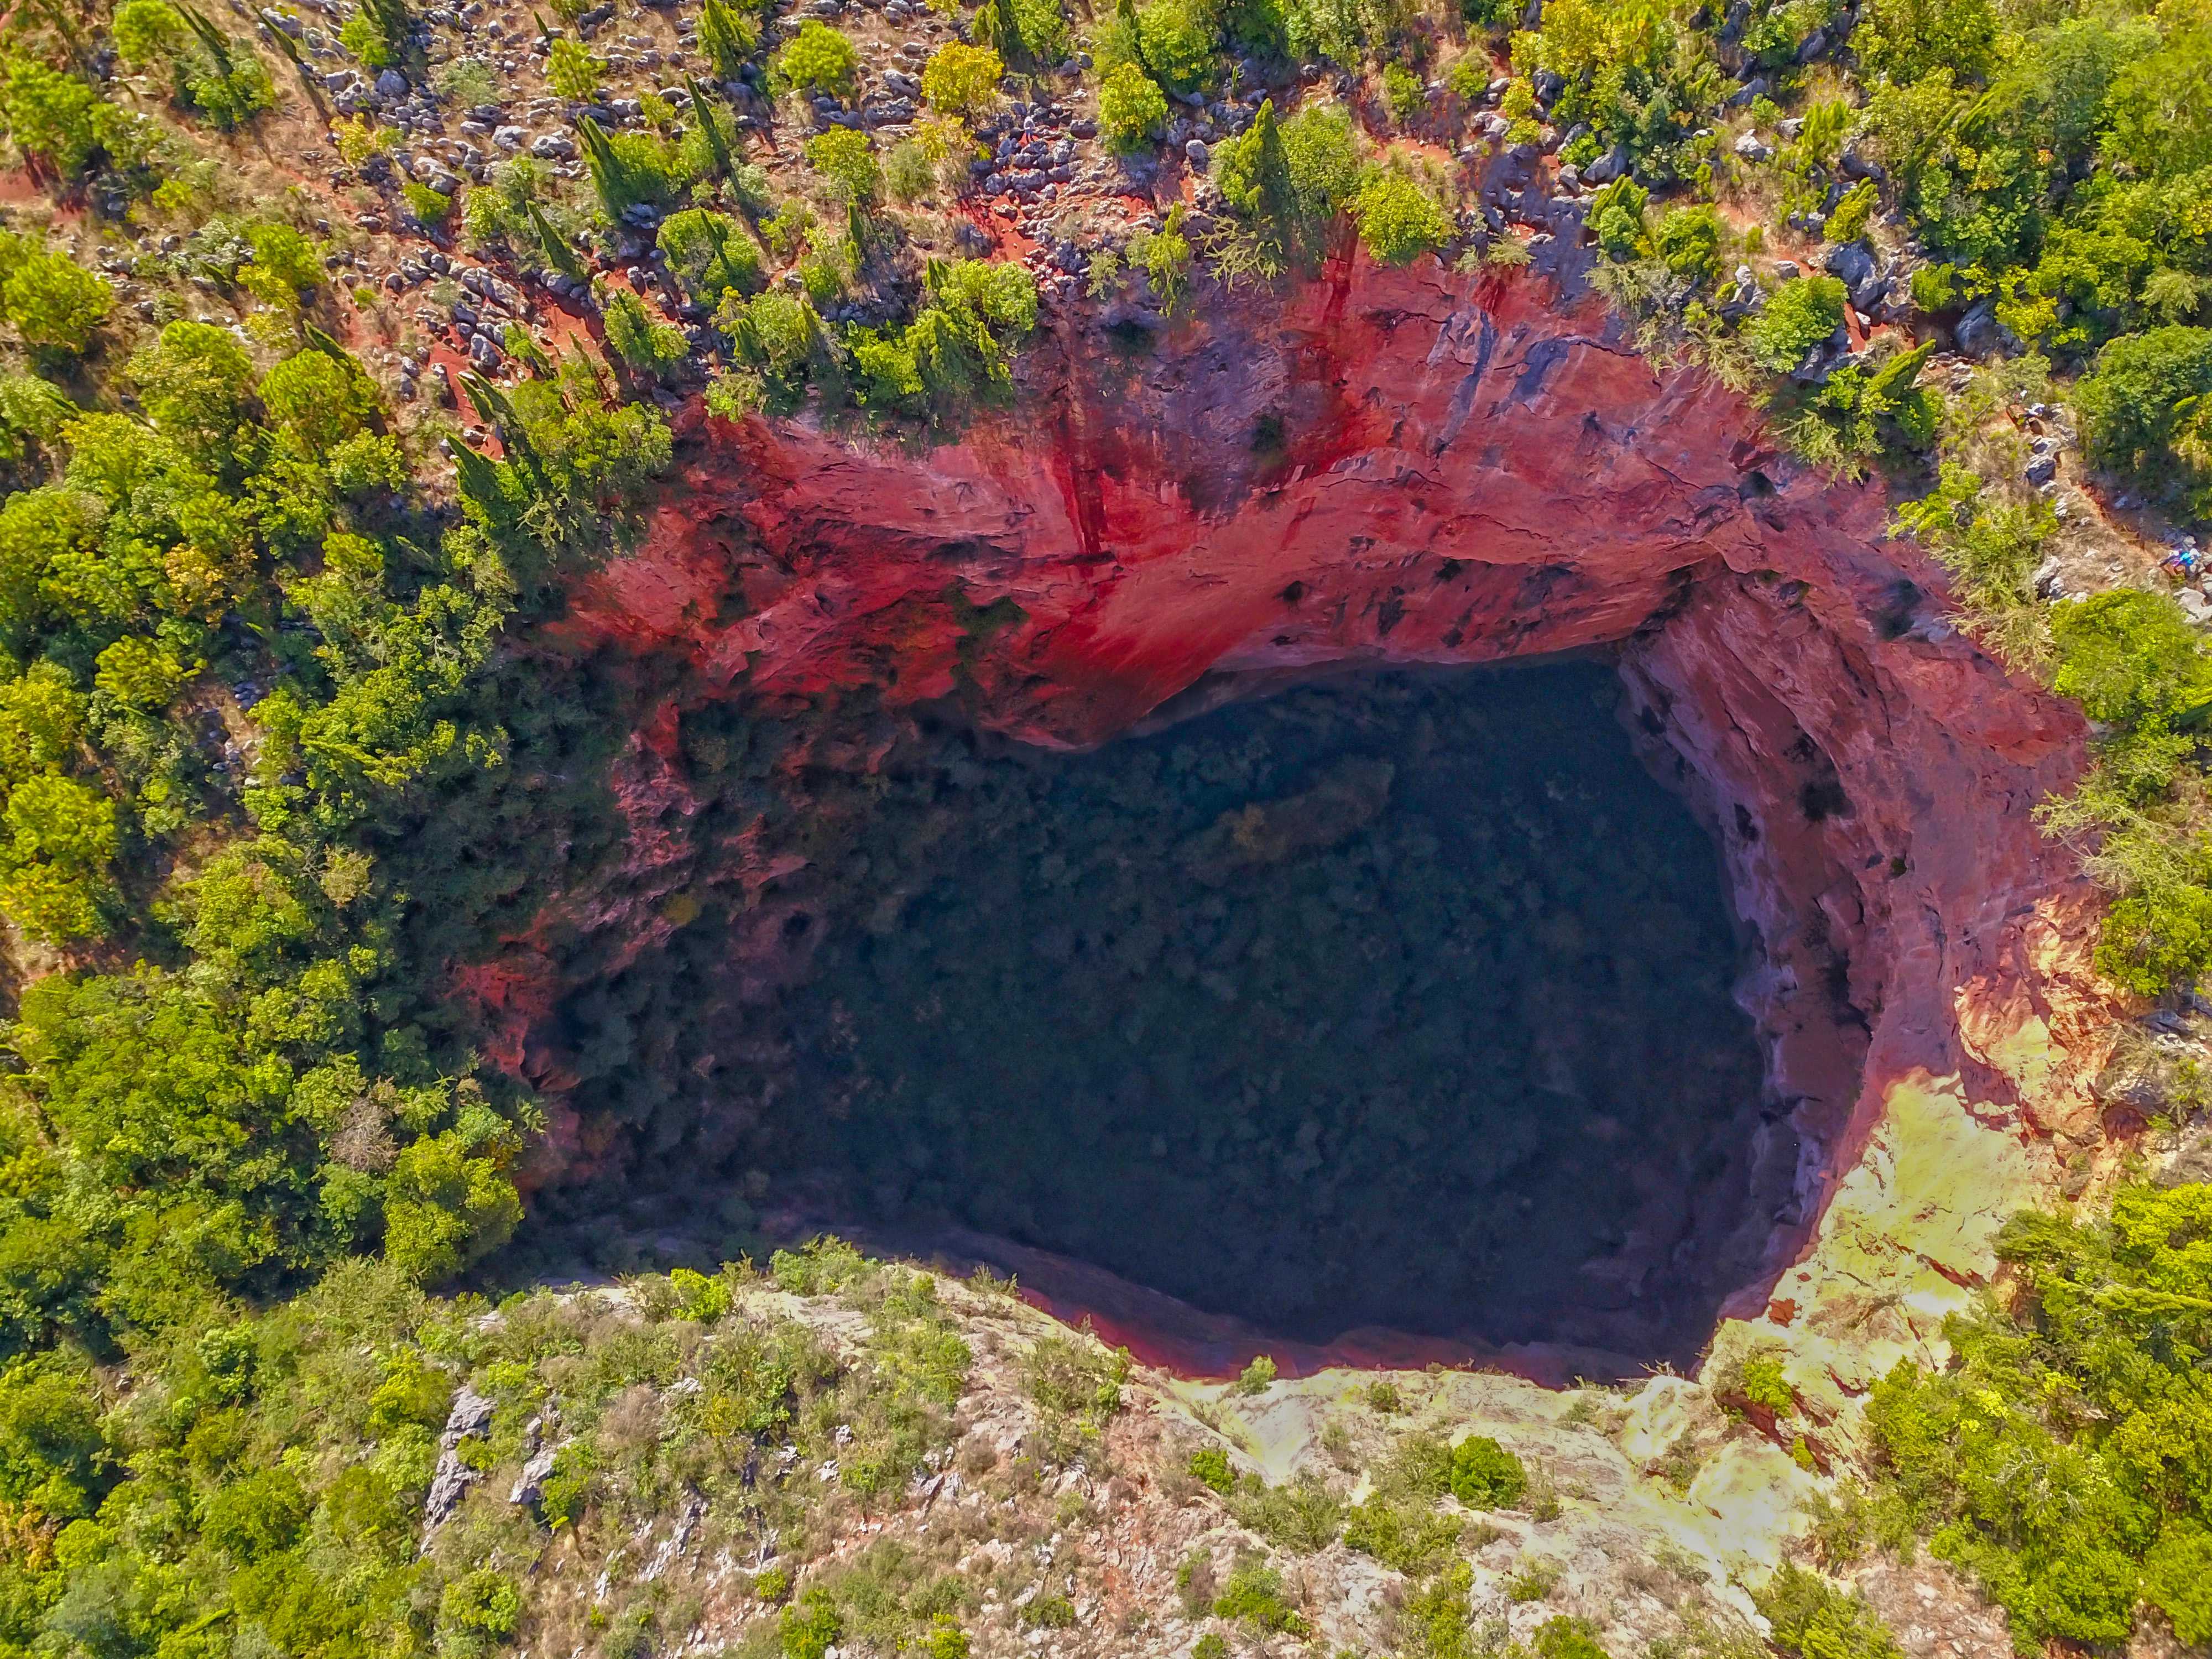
[450,1202]
[819,59]
[962,80]
[193,380]
[1399,220]
[846,159]
[709,255]
[1131,108]
[55,303]
[1797,317]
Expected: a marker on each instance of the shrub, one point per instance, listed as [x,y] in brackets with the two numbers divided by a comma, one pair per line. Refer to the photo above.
[50,115]
[1210,1466]
[479,1611]
[1564,1637]
[2141,406]
[1286,183]
[909,173]
[1258,1376]
[1399,220]
[709,255]
[1799,316]
[640,337]
[285,265]
[819,57]
[1687,240]
[962,80]
[1404,91]
[1175,40]
[1813,1619]
[1487,1476]
[1131,108]
[54,303]
[193,380]
[572,71]
[1254,1596]
[846,159]
[1413,1538]
[1616,219]
[324,400]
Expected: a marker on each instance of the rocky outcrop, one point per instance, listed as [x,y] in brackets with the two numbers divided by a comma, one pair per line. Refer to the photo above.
[1412,467]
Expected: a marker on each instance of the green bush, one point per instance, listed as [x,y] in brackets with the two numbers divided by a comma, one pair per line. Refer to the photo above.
[1132,108]
[1813,1619]
[1286,183]
[709,255]
[1616,219]
[847,159]
[1797,317]
[1254,1596]
[1561,1636]
[819,59]
[641,337]
[1210,1466]
[2141,407]
[53,302]
[962,80]
[1687,240]
[1176,42]
[1487,1476]
[1399,220]
[50,115]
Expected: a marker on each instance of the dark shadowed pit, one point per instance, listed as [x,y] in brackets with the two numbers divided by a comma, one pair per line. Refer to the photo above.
[1398,1000]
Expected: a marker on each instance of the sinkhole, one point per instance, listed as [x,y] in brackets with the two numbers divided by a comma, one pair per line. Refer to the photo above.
[1396,1000]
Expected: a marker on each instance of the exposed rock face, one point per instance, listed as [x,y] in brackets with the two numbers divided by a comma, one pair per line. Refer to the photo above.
[1403,467]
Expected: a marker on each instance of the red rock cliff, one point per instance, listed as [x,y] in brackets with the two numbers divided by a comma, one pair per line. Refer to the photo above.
[1417,467]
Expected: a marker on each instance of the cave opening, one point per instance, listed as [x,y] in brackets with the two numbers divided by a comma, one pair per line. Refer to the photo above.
[1399,1000]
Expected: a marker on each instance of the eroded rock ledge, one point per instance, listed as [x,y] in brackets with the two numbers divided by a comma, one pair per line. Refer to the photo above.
[1395,467]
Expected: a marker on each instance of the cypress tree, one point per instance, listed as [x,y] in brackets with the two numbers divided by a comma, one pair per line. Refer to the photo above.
[703,113]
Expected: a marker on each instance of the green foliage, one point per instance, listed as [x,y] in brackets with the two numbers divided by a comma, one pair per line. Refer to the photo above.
[1562,1636]
[1210,1466]
[1630,73]
[959,350]
[1687,240]
[1485,1476]
[1302,1515]
[819,59]
[1399,220]
[377,33]
[962,80]
[847,159]
[1028,34]
[1076,1387]
[1132,108]
[641,338]
[1254,1597]
[1861,413]
[1813,1619]
[51,116]
[54,303]
[633,168]
[572,71]
[1411,1538]
[2142,410]
[1616,219]
[2059,1460]
[1286,183]
[1258,1376]
[1175,43]
[1797,317]
[211,73]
